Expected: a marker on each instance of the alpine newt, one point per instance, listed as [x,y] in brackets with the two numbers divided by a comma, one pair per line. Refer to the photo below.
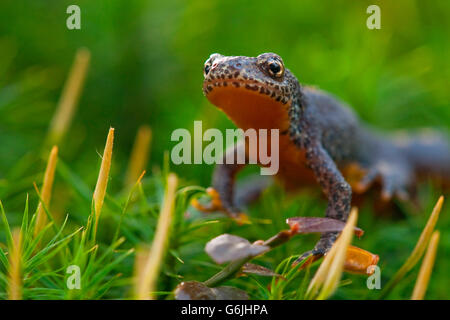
[320,138]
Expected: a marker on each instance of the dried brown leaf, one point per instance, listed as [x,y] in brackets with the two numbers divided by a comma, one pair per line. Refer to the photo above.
[321,225]
[259,270]
[193,290]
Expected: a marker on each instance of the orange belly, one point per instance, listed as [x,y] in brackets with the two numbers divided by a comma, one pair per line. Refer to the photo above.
[294,174]
[248,109]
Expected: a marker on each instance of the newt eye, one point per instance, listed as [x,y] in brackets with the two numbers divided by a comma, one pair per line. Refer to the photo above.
[207,68]
[210,63]
[276,68]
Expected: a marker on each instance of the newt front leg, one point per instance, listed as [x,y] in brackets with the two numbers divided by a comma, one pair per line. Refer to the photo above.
[224,180]
[222,193]
[337,190]
[226,195]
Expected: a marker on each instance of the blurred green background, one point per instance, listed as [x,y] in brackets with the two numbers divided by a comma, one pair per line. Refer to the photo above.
[146,68]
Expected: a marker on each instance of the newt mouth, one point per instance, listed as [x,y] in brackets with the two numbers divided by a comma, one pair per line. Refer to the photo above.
[217,83]
[248,104]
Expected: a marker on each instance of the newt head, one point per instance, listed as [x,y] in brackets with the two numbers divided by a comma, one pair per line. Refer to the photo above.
[255,92]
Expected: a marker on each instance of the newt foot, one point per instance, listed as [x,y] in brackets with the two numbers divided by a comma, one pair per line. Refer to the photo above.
[394,181]
[215,204]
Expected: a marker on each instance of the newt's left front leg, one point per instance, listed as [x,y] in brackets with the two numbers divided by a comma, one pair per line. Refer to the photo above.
[337,190]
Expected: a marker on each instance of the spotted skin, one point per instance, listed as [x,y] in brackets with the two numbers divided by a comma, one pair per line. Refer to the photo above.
[320,137]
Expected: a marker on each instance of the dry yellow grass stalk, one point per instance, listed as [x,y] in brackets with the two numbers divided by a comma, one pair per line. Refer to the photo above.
[425,270]
[15,267]
[140,261]
[103,176]
[69,97]
[426,233]
[418,251]
[337,265]
[148,273]
[330,270]
[139,179]
[46,191]
[139,155]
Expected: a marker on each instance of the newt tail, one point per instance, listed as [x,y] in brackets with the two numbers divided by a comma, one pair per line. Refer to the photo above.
[429,153]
